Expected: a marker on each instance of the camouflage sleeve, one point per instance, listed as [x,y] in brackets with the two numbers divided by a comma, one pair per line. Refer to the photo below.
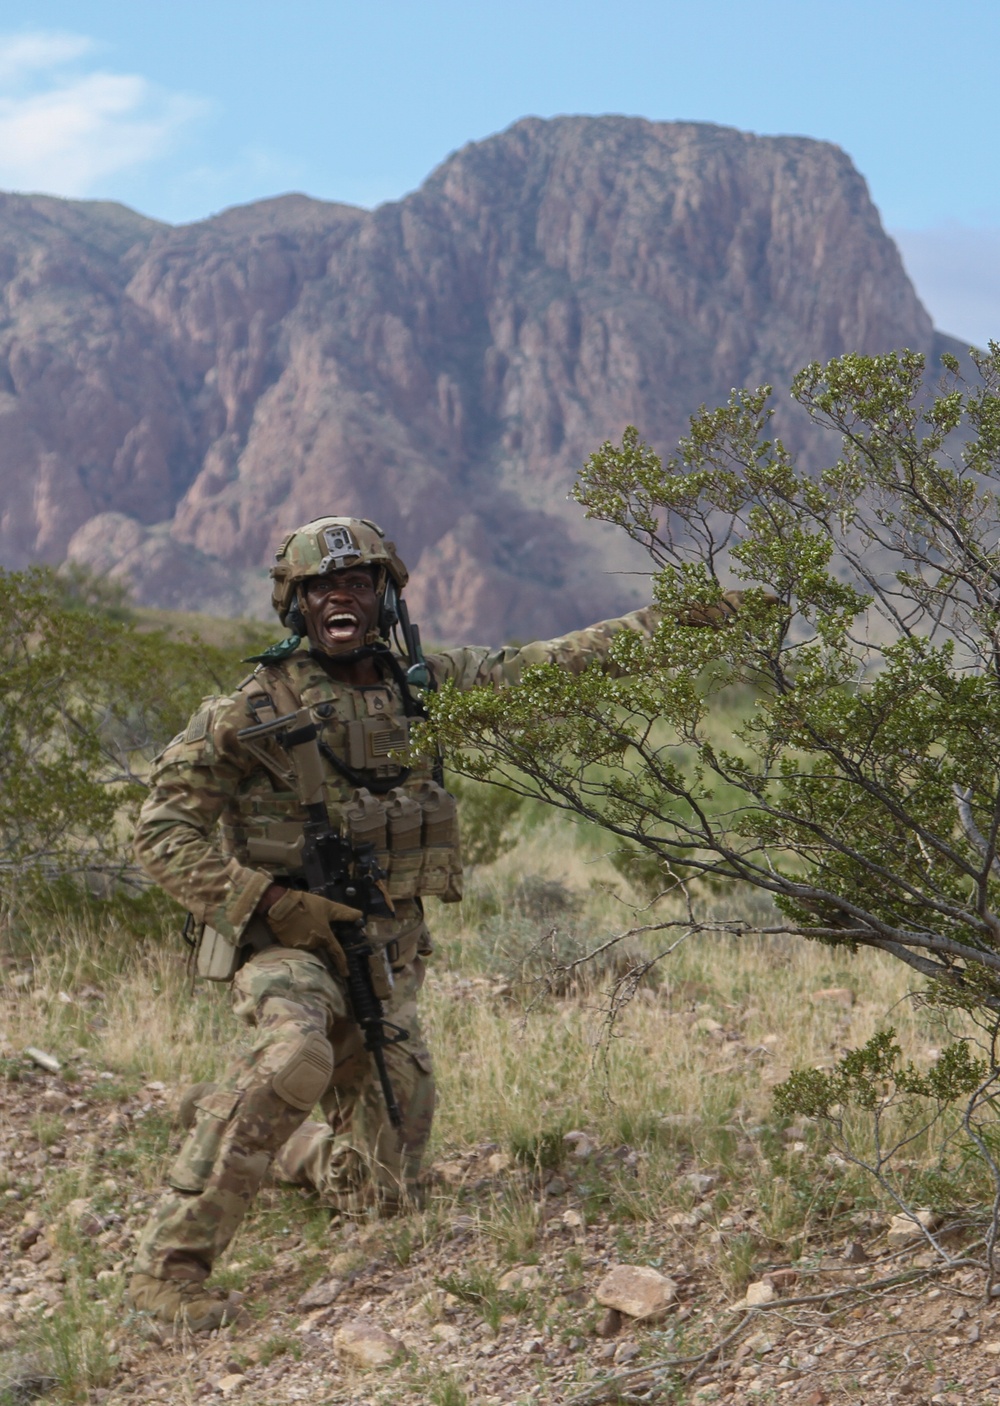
[471,667]
[176,839]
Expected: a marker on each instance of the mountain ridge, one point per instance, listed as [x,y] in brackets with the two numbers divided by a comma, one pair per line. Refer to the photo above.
[172,398]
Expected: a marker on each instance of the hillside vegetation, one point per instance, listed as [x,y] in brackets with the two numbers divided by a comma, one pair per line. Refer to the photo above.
[615,1111]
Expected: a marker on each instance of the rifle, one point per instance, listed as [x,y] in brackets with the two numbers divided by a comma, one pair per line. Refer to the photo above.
[343,873]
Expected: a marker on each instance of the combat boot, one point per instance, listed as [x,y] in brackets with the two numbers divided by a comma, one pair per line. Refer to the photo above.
[186,1110]
[182,1302]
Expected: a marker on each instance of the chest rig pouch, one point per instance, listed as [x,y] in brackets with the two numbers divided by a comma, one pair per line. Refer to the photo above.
[415,834]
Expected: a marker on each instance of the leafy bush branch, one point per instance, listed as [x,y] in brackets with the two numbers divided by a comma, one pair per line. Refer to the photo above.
[87,696]
[860,786]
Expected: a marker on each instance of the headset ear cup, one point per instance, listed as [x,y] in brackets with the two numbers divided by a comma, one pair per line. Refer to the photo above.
[295,621]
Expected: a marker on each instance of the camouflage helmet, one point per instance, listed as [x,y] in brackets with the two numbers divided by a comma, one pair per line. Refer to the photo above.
[331,544]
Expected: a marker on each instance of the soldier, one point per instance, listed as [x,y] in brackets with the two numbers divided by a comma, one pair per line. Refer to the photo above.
[221,812]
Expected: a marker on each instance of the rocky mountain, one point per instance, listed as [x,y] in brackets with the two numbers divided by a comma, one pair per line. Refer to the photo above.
[173,399]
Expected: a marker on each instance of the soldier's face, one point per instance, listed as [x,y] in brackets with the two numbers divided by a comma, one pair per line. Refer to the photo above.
[340,609]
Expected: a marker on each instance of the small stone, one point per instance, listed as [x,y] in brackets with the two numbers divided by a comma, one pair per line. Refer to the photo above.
[834,996]
[854,1252]
[782,1278]
[522,1276]
[759,1342]
[556,1187]
[321,1294]
[637,1291]
[229,1383]
[581,1144]
[573,1221]
[427,1309]
[365,1344]
[625,1352]
[760,1293]
[904,1230]
[451,1173]
[498,1162]
[28,1236]
[39,1252]
[445,1333]
[701,1182]
[610,1324]
[48,1062]
[683,1220]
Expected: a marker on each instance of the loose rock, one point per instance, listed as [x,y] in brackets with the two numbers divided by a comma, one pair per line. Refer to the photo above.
[322,1294]
[522,1276]
[759,1293]
[637,1291]
[610,1324]
[365,1344]
[573,1221]
[903,1230]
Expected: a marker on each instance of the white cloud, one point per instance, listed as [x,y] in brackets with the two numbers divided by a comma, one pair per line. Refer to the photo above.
[24,54]
[63,129]
[956,271]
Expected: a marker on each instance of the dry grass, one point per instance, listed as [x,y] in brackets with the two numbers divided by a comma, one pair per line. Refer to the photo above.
[714,1027]
[681,1082]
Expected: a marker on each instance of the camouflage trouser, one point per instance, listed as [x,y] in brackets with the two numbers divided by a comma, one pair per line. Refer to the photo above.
[307,1051]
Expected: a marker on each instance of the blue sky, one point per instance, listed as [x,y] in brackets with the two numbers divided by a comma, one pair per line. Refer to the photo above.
[180,109]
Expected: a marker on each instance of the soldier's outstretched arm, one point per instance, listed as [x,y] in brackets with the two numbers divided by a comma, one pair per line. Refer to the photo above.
[175,843]
[471,667]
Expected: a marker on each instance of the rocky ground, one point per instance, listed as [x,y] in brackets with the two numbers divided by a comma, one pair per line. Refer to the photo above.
[519,1283]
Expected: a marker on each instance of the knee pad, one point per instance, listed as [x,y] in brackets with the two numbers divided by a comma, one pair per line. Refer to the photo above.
[306,1072]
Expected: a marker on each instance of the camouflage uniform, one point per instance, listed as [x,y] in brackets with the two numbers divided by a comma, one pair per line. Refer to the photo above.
[307,1050]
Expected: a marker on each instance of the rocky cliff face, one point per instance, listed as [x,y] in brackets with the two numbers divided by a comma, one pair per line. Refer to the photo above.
[171,400]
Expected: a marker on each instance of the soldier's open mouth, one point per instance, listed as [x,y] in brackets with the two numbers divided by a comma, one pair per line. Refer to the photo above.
[340,626]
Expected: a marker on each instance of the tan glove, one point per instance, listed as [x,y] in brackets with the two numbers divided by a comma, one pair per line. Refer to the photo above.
[303,920]
[713,616]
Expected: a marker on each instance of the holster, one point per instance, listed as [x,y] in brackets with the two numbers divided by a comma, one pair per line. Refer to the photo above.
[218,958]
